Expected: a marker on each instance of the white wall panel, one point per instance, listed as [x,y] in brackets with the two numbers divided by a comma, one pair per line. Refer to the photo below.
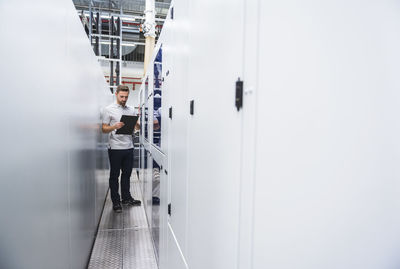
[52,182]
[327,173]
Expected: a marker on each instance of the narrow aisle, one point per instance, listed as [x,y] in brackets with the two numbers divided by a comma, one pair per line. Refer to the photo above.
[124,239]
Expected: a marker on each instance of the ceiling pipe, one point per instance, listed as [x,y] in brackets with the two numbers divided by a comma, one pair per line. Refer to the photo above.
[149,29]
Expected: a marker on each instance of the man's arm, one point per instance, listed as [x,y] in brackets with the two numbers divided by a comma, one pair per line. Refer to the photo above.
[137,125]
[107,128]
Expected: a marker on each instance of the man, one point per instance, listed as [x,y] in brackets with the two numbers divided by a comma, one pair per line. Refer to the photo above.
[120,150]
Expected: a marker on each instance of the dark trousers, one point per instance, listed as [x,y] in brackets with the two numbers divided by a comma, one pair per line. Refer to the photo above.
[120,159]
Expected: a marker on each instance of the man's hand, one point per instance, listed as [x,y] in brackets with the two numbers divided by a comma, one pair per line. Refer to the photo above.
[107,128]
[156,125]
[118,125]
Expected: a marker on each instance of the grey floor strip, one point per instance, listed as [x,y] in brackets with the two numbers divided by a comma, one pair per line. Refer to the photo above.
[123,240]
[138,250]
[108,250]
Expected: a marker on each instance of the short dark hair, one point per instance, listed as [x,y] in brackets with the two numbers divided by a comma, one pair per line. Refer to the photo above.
[122,88]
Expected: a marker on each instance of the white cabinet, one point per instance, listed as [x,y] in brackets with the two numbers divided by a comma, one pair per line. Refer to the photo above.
[305,174]
[203,148]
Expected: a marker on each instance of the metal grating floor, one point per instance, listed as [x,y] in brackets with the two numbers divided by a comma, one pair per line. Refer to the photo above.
[124,239]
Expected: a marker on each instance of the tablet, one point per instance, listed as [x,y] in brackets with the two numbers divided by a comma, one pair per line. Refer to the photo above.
[128,128]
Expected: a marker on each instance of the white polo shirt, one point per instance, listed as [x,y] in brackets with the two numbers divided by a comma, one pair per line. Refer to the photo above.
[111,115]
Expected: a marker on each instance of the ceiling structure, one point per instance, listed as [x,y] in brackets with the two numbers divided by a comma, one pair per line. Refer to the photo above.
[132,17]
[129,7]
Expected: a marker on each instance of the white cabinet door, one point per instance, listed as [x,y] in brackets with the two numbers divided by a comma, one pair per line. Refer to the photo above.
[328,145]
[177,132]
[214,133]
[175,258]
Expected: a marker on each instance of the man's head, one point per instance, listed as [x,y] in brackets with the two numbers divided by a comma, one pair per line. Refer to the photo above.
[122,94]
